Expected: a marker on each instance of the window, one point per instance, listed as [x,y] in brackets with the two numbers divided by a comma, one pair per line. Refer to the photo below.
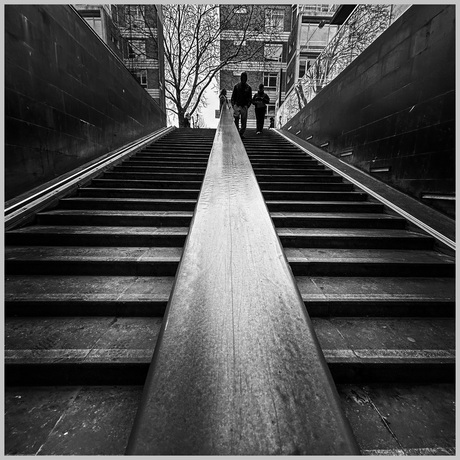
[273,52]
[274,20]
[270,110]
[96,24]
[270,80]
[135,14]
[241,10]
[141,77]
[137,49]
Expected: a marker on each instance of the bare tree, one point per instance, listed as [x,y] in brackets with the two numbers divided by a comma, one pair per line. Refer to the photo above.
[192,35]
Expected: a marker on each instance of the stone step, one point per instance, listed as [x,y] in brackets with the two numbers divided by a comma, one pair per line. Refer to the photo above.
[322,176]
[62,235]
[353,238]
[144,261]
[50,295]
[77,260]
[118,218]
[183,218]
[165,158]
[154,184]
[306,186]
[145,175]
[317,195]
[160,161]
[151,183]
[336,220]
[284,162]
[369,262]
[175,236]
[325,206]
[153,199]
[287,171]
[76,350]
[134,199]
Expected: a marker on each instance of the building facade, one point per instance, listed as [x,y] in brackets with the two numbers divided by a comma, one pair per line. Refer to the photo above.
[135,33]
[266,49]
[99,17]
[311,32]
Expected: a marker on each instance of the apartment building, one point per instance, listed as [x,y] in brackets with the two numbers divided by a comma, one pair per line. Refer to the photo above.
[266,48]
[134,32]
[311,32]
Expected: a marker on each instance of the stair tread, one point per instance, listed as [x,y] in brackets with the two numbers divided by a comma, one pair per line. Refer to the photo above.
[93,254]
[129,288]
[84,288]
[100,230]
[302,255]
[333,288]
[133,339]
[138,230]
[103,212]
[335,215]
[366,256]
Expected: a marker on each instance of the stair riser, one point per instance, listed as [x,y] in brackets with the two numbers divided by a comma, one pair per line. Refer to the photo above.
[112,183]
[324,207]
[135,206]
[150,308]
[324,176]
[135,373]
[314,196]
[356,243]
[91,268]
[152,206]
[147,174]
[128,221]
[316,309]
[175,240]
[164,185]
[312,222]
[308,169]
[140,268]
[106,240]
[370,269]
[161,194]
[286,175]
[307,187]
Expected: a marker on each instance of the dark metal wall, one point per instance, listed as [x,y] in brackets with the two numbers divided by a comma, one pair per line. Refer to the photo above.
[394,107]
[68,99]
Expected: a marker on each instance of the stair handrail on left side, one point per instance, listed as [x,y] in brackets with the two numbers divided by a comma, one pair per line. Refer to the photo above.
[21,209]
[237,368]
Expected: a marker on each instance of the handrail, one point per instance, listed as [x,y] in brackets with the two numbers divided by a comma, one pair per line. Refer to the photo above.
[237,369]
[16,211]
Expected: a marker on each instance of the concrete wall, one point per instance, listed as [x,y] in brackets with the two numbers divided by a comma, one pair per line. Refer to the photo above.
[68,99]
[394,107]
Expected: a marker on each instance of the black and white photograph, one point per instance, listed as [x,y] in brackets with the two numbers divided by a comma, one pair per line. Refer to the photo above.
[229,229]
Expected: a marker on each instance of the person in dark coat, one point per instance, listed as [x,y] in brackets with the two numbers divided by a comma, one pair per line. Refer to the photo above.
[260,101]
[241,100]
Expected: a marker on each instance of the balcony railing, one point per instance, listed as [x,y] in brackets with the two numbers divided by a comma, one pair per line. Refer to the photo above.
[363,26]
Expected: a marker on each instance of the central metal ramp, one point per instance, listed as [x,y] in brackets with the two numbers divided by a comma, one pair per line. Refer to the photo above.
[237,368]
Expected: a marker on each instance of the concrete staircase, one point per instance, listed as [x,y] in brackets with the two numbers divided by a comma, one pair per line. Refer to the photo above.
[382,300]
[86,287]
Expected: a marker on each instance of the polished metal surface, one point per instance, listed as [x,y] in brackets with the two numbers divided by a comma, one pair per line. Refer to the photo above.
[237,368]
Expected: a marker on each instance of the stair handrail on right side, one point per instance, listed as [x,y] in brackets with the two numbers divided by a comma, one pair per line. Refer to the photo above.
[237,369]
